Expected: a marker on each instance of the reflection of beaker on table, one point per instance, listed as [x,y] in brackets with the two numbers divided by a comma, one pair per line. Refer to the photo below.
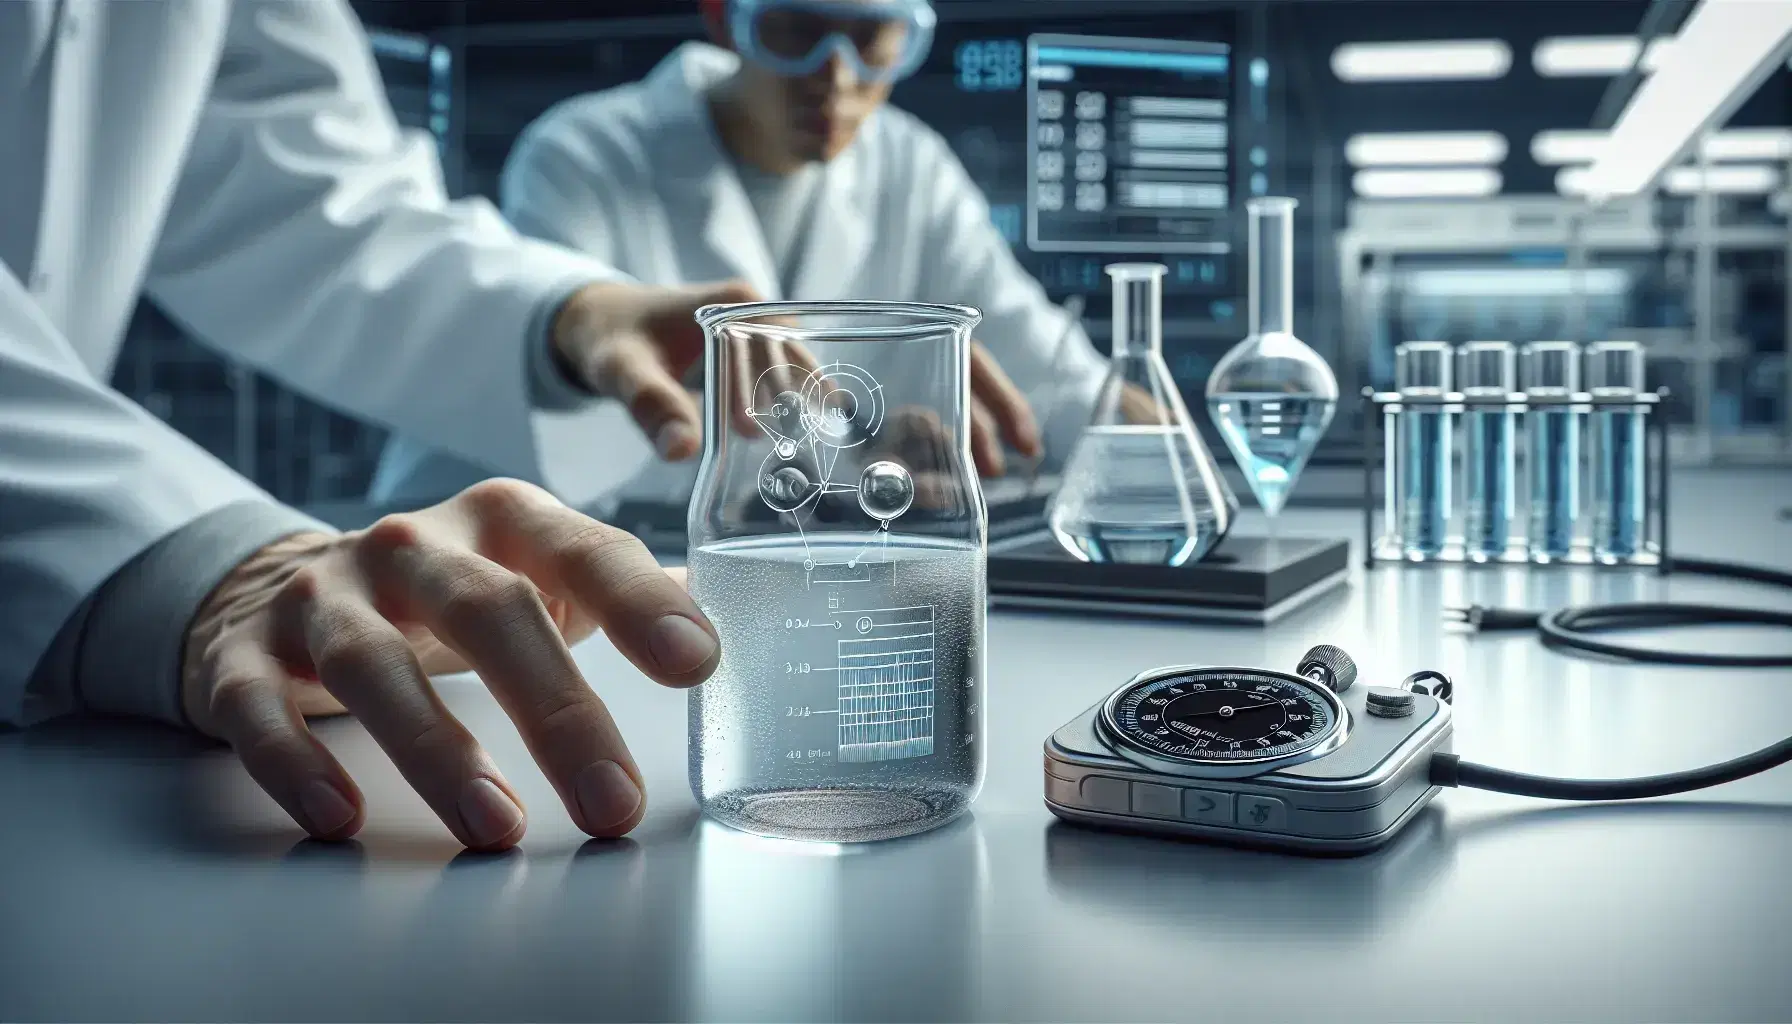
[817,931]
[836,541]
[1140,486]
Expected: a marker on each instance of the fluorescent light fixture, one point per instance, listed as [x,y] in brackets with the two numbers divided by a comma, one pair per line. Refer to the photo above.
[1596,56]
[1459,182]
[1425,149]
[1555,148]
[1732,145]
[1724,51]
[1730,179]
[1726,179]
[1514,282]
[1735,144]
[1457,59]
[1573,181]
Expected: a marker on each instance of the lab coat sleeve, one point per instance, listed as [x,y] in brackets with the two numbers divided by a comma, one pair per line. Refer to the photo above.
[312,238]
[969,262]
[113,529]
[552,188]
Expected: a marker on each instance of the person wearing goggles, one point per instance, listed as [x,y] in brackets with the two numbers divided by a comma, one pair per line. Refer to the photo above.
[771,155]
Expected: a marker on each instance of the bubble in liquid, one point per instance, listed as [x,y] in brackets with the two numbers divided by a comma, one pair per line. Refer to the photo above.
[885,490]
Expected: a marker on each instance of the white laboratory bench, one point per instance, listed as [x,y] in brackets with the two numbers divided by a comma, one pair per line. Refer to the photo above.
[144,877]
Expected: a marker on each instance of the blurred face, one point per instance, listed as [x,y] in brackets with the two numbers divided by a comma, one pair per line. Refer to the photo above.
[815,116]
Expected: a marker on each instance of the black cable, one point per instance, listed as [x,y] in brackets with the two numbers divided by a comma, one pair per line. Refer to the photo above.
[1573,628]
[1576,628]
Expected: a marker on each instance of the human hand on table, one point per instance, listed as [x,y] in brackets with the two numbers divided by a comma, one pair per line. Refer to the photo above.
[501,579]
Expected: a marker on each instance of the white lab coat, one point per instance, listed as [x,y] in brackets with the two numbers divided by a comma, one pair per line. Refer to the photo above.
[636,177]
[238,161]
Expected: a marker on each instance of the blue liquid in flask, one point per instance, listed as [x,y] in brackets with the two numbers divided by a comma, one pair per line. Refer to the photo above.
[1272,436]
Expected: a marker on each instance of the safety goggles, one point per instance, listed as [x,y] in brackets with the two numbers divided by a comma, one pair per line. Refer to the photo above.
[882,40]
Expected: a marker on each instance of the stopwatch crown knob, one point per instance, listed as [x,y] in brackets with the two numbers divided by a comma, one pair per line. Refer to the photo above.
[1329,665]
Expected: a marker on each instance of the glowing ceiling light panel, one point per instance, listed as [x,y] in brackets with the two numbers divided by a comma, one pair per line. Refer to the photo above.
[1425,149]
[1729,179]
[1722,54]
[1442,60]
[1595,56]
[1555,148]
[1454,183]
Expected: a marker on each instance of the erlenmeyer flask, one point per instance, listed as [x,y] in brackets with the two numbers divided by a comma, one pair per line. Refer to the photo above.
[1271,396]
[1140,486]
[837,536]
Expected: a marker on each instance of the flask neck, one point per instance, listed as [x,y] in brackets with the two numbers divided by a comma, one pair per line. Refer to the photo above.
[1272,271]
[1138,316]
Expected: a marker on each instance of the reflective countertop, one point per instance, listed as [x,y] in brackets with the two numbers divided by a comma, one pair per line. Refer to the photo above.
[144,877]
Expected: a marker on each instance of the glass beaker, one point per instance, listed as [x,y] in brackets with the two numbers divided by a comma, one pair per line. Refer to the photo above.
[1140,486]
[1271,396]
[837,541]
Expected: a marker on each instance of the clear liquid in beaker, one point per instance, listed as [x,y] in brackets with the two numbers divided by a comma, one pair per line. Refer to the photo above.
[847,703]
[1272,436]
[1126,497]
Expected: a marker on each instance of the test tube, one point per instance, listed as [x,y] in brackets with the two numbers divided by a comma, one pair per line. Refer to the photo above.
[1615,374]
[1422,370]
[1489,373]
[1551,371]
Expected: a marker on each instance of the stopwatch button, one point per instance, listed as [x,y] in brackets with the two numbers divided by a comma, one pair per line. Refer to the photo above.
[1387,702]
[1337,669]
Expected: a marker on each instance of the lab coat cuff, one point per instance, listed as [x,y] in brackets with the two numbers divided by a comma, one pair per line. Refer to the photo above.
[552,386]
[130,651]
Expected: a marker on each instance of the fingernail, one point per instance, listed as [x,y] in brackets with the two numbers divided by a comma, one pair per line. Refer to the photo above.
[680,645]
[325,807]
[489,815]
[607,796]
[675,440]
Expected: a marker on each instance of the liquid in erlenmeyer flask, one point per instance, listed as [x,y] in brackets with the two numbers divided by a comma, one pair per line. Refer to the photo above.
[1271,396]
[1140,487]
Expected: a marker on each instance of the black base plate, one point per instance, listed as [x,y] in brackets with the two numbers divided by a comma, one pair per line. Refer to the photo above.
[1254,576]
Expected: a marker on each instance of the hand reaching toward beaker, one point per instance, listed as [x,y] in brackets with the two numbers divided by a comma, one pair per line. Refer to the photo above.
[501,579]
[636,343]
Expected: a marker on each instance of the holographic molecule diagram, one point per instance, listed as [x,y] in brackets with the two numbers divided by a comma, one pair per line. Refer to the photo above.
[838,406]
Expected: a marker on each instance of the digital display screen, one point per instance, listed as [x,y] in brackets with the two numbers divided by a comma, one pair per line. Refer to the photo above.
[1129,146]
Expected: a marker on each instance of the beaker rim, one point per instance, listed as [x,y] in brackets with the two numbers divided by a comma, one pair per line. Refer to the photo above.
[924,317]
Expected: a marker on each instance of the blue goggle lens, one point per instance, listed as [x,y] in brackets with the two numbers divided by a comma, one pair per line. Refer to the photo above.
[882,40]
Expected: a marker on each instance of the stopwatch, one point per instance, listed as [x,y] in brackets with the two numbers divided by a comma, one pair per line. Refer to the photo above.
[1231,722]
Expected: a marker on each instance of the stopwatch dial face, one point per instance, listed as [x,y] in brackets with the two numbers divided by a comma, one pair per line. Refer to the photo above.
[1223,717]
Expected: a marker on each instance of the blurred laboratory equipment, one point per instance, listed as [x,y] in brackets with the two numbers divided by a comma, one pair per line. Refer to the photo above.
[1614,380]
[1422,456]
[1558,409]
[1489,386]
[1539,435]
[837,540]
[1271,396]
[1140,486]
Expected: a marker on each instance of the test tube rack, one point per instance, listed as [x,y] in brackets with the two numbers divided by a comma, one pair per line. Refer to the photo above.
[1383,412]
